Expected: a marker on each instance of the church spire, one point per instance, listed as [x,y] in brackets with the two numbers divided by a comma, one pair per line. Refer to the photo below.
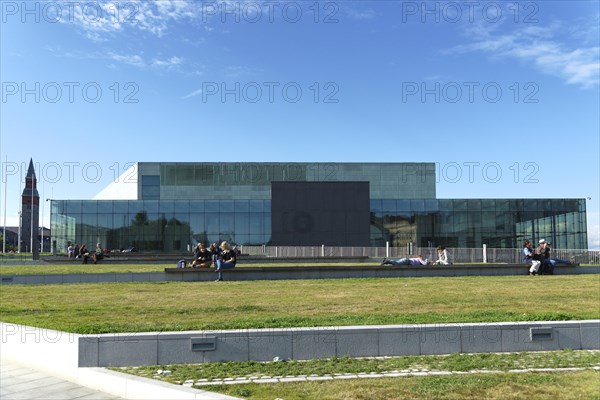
[30,214]
[30,186]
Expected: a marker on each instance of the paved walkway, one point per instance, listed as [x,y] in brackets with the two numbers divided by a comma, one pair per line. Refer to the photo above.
[18,382]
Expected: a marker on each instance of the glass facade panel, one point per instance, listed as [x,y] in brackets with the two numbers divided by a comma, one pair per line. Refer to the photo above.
[376,207]
[196,206]
[417,205]
[135,207]
[256,223]
[388,207]
[73,207]
[167,207]
[120,206]
[151,192]
[242,223]
[255,206]
[151,206]
[226,206]
[105,207]
[212,223]
[211,206]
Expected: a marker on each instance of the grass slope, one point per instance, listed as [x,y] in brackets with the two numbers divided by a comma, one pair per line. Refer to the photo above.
[139,307]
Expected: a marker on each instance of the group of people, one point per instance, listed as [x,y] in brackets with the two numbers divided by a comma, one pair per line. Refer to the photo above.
[442,259]
[223,257]
[539,260]
[81,251]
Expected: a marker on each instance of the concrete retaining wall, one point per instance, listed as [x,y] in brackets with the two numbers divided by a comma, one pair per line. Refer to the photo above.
[66,351]
[325,342]
[281,273]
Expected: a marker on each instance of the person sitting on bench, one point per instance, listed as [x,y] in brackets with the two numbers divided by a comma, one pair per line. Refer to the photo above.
[202,257]
[99,254]
[226,261]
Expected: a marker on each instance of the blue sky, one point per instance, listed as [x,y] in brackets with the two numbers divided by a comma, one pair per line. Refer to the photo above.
[503,96]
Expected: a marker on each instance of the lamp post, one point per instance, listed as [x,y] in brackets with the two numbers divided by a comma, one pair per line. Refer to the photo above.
[43,224]
[42,239]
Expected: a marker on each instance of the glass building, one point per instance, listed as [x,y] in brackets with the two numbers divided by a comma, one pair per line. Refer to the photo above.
[348,204]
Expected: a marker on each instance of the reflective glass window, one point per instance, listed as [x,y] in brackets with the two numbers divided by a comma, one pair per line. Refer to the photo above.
[403,206]
[211,206]
[226,206]
[502,206]
[135,206]
[255,205]
[242,223]
[166,206]
[197,223]
[212,223]
[459,205]
[105,206]
[150,206]
[388,207]
[445,205]
[226,223]
[240,206]
[488,205]
[105,220]
[151,192]
[431,206]
[121,206]
[376,206]
[89,206]
[417,205]
[73,207]
[181,206]
[150,180]
[530,205]
[255,223]
[197,206]
[474,205]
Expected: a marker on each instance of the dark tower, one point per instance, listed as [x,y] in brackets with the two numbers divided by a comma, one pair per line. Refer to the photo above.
[30,214]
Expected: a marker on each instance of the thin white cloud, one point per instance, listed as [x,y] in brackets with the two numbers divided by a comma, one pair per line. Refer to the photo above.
[101,18]
[129,59]
[543,47]
[171,62]
[192,94]
[138,61]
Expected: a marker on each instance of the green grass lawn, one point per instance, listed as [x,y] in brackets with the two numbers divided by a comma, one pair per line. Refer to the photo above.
[105,268]
[556,385]
[179,373]
[515,386]
[174,306]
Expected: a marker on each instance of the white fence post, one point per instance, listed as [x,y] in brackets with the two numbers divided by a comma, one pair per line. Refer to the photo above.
[387,249]
[485,253]
[322,250]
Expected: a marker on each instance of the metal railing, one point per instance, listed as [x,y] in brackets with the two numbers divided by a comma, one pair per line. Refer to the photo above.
[456,255]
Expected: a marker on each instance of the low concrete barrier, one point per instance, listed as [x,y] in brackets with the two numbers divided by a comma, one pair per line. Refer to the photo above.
[244,273]
[67,351]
